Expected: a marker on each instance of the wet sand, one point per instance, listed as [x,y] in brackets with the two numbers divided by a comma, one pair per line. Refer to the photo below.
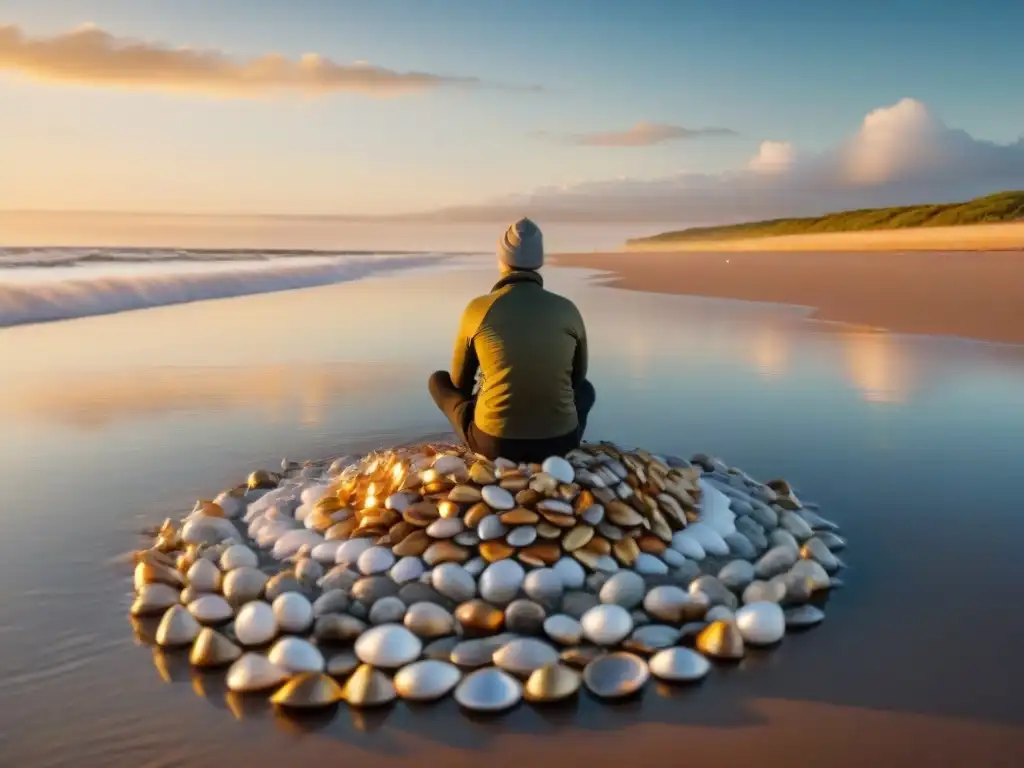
[973,237]
[972,295]
[918,659]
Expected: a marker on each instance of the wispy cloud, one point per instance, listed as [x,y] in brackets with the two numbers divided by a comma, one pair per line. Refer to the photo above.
[900,154]
[91,56]
[642,134]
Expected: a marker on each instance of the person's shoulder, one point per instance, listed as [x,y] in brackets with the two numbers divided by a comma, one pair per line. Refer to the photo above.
[562,303]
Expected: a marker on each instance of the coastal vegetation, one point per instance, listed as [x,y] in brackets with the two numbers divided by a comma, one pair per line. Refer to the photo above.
[1001,207]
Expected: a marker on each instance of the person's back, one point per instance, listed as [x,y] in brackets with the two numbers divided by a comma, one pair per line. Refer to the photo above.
[530,347]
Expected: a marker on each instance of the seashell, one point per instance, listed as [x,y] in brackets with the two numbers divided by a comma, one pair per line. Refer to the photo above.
[615,675]
[488,690]
[552,682]
[293,612]
[761,591]
[563,629]
[332,601]
[429,620]
[399,501]
[157,573]
[290,543]
[519,516]
[490,528]
[368,687]
[203,576]
[736,575]
[177,627]
[421,513]
[804,616]
[570,572]
[674,605]
[544,484]
[813,571]
[374,560]
[559,468]
[815,549]
[606,624]
[721,640]
[338,628]
[445,528]
[342,664]
[522,656]
[464,494]
[254,672]
[761,623]
[556,507]
[211,609]
[475,514]
[688,545]
[497,497]
[388,646]
[775,561]
[501,581]
[208,530]
[413,545]
[481,474]
[449,465]
[625,589]
[407,569]
[577,537]
[238,556]
[153,599]
[650,638]
[308,570]
[679,665]
[445,551]
[280,583]
[309,690]
[212,649]
[546,530]
[244,584]
[295,655]
[521,536]
[426,680]
[477,617]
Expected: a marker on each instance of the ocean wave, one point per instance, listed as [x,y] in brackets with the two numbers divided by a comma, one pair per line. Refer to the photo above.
[81,294]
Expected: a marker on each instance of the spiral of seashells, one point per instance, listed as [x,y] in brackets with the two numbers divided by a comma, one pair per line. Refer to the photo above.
[426,571]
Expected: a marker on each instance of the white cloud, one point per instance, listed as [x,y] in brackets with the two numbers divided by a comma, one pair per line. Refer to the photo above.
[900,154]
[642,134]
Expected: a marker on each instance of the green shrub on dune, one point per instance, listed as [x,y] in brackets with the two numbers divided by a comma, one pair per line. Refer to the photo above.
[1001,207]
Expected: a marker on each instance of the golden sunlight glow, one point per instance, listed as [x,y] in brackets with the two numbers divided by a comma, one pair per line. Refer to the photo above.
[875,365]
[771,351]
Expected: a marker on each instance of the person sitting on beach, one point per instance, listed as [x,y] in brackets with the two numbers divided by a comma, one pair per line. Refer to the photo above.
[529,346]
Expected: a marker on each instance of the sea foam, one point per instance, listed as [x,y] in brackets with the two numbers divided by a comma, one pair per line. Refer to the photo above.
[80,287]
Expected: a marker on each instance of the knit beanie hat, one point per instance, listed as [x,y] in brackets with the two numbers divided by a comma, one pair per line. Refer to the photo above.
[521,247]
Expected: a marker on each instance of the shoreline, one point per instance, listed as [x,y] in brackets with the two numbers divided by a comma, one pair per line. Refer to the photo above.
[970,237]
[977,296]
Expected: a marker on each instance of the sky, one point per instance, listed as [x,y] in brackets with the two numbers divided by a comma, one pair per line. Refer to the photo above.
[582,110]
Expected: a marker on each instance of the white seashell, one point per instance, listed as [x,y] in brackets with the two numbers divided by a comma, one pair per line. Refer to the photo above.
[761,623]
[429,620]
[177,627]
[326,552]
[238,556]
[349,552]
[563,629]
[454,582]
[407,569]
[559,468]
[686,544]
[233,506]
[488,690]
[154,598]
[448,465]
[255,624]
[208,530]
[709,539]
[607,624]
[368,687]
[375,560]
[388,646]
[296,655]
[426,680]
[254,672]
[445,528]
[678,665]
[211,609]
[615,675]
[293,612]
[203,576]
[244,584]
[570,572]
[501,581]
[497,497]
[523,655]
[290,543]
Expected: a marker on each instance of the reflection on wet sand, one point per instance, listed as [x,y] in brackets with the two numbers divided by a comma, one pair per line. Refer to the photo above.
[92,400]
[771,350]
[878,366]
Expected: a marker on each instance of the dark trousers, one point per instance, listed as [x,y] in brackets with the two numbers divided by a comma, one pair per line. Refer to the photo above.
[458,408]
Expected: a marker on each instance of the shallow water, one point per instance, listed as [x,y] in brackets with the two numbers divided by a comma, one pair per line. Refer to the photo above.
[913,445]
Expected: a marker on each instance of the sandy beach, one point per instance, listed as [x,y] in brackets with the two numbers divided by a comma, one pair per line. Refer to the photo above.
[976,237]
[977,295]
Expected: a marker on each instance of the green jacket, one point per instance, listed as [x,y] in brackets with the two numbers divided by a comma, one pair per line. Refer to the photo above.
[530,347]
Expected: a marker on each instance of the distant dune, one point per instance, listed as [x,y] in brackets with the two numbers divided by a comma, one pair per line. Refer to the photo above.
[994,221]
[976,237]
